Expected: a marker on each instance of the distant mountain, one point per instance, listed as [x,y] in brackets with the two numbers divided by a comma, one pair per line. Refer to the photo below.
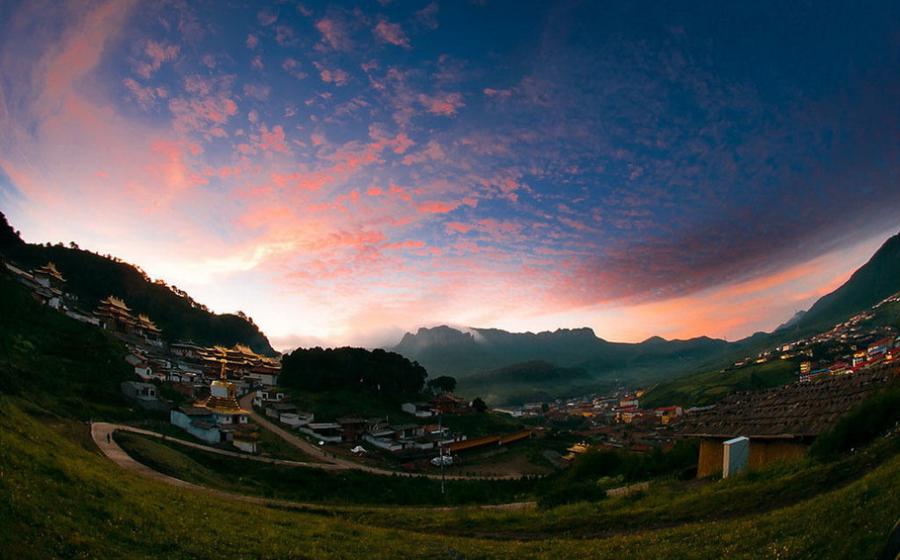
[92,277]
[871,283]
[794,320]
[569,358]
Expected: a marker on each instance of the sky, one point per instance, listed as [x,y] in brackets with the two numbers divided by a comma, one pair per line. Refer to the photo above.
[346,172]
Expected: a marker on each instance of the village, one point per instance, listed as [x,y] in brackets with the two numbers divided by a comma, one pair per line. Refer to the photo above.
[214,393]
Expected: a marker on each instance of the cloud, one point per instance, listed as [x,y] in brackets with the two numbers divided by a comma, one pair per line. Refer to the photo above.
[273,140]
[334,34]
[145,96]
[157,53]
[427,16]
[334,76]
[267,17]
[391,33]
[444,104]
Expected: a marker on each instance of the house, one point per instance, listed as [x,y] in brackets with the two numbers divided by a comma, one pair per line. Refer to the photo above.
[328,432]
[417,409]
[447,403]
[408,431]
[381,435]
[353,428]
[667,414]
[265,396]
[780,423]
[136,390]
[296,418]
[276,409]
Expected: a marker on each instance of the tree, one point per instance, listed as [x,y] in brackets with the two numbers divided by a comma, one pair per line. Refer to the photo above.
[317,369]
[479,405]
[444,384]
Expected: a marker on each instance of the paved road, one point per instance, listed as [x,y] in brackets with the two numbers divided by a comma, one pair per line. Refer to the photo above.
[315,451]
[102,432]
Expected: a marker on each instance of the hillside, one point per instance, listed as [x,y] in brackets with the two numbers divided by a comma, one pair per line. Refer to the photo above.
[477,358]
[92,277]
[871,283]
[529,381]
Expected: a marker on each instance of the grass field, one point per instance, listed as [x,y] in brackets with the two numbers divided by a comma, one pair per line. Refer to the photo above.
[60,499]
[700,389]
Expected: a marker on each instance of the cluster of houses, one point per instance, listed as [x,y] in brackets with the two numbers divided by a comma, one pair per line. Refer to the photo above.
[858,357]
[846,348]
[198,372]
[408,439]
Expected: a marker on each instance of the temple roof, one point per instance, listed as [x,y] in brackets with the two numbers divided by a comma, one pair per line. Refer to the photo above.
[50,270]
[113,301]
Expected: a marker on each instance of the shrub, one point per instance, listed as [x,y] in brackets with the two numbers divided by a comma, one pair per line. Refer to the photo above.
[868,420]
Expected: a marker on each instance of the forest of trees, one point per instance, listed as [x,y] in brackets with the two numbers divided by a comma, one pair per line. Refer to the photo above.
[317,369]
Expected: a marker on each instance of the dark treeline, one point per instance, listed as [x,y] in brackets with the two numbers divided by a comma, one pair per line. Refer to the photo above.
[92,277]
[317,369]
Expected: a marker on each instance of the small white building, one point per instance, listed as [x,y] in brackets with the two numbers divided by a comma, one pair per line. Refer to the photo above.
[418,409]
[139,391]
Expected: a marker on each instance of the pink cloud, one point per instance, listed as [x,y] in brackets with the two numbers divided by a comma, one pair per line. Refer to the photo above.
[499,93]
[292,67]
[273,140]
[437,207]
[252,41]
[332,76]
[391,33]
[458,227]
[157,53]
[334,34]
[145,96]
[445,104]
[207,106]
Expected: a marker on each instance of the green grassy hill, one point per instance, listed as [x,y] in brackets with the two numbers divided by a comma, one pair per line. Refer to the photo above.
[60,499]
[704,388]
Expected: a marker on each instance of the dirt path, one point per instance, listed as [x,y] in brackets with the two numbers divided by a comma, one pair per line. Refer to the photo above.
[314,451]
[102,434]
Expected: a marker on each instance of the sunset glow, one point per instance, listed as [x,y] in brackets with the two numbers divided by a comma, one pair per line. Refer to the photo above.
[344,173]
